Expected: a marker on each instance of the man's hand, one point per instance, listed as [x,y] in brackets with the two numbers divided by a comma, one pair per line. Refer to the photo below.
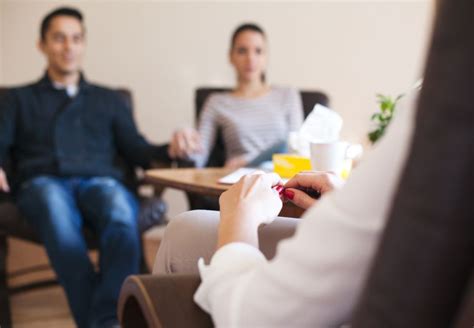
[319,181]
[184,143]
[3,181]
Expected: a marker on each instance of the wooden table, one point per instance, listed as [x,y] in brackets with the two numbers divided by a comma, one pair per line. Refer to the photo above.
[202,181]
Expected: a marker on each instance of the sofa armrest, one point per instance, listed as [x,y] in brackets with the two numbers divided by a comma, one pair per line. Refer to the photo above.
[161,301]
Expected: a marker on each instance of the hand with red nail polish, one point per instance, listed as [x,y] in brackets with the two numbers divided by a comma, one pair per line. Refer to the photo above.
[280,190]
[289,194]
[304,189]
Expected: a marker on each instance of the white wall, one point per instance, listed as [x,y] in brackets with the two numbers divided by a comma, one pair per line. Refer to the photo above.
[163,50]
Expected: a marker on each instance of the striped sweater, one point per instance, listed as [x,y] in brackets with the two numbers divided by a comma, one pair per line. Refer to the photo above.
[249,126]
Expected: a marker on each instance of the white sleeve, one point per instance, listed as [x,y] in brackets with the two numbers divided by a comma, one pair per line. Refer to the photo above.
[316,276]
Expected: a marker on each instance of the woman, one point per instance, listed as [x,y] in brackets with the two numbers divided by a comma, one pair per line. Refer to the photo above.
[253,118]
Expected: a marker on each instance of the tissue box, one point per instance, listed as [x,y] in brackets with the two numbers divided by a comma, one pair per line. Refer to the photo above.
[287,165]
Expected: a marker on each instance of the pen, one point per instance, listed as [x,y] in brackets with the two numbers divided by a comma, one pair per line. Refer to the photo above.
[309,191]
[316,194]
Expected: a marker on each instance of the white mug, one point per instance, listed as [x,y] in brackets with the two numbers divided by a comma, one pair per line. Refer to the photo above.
[329,156]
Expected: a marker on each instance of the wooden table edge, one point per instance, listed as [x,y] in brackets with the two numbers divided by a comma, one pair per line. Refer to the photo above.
[215,190]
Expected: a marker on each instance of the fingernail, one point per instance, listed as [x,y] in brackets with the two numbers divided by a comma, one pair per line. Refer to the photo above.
[289,194]
[279,189]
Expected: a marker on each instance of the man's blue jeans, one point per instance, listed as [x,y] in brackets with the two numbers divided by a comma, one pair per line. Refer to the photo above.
[58,209]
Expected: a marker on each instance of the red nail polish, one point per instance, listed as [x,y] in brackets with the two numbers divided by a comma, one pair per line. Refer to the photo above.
[279,188]
[289,194]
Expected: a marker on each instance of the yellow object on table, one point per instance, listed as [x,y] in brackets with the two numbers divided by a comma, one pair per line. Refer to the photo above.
[347,168]
[287,165]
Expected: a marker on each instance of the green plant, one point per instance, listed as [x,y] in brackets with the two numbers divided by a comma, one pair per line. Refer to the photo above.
[383,117]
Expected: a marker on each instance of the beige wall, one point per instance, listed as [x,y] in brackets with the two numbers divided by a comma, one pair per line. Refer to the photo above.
[163,50]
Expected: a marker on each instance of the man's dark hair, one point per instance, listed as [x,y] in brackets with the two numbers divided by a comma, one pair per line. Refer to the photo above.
[62,11]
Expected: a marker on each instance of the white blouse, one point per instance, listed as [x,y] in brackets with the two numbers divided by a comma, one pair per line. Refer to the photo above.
[317,275]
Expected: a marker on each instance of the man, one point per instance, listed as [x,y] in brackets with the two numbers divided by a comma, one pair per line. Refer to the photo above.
[63,134]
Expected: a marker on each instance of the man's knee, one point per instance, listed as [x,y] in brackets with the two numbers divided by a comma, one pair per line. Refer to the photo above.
[110,198]
[42,185]
[42,191]
[104,188]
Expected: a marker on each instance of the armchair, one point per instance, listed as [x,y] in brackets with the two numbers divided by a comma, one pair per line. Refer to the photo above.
[162,301]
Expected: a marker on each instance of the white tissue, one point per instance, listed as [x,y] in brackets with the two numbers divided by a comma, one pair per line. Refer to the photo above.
[322,125]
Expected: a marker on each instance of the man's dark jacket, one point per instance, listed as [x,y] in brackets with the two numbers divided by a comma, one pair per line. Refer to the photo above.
[44,131]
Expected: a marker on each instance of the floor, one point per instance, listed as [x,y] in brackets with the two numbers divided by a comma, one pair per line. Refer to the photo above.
[30,310]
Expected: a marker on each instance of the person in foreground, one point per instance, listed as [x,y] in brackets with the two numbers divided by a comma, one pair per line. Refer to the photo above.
[254,117]
[317,276]
[63,134]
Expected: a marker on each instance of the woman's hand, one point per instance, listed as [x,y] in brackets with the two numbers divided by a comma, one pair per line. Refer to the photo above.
[246,205]
[319,181]
[184,143]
